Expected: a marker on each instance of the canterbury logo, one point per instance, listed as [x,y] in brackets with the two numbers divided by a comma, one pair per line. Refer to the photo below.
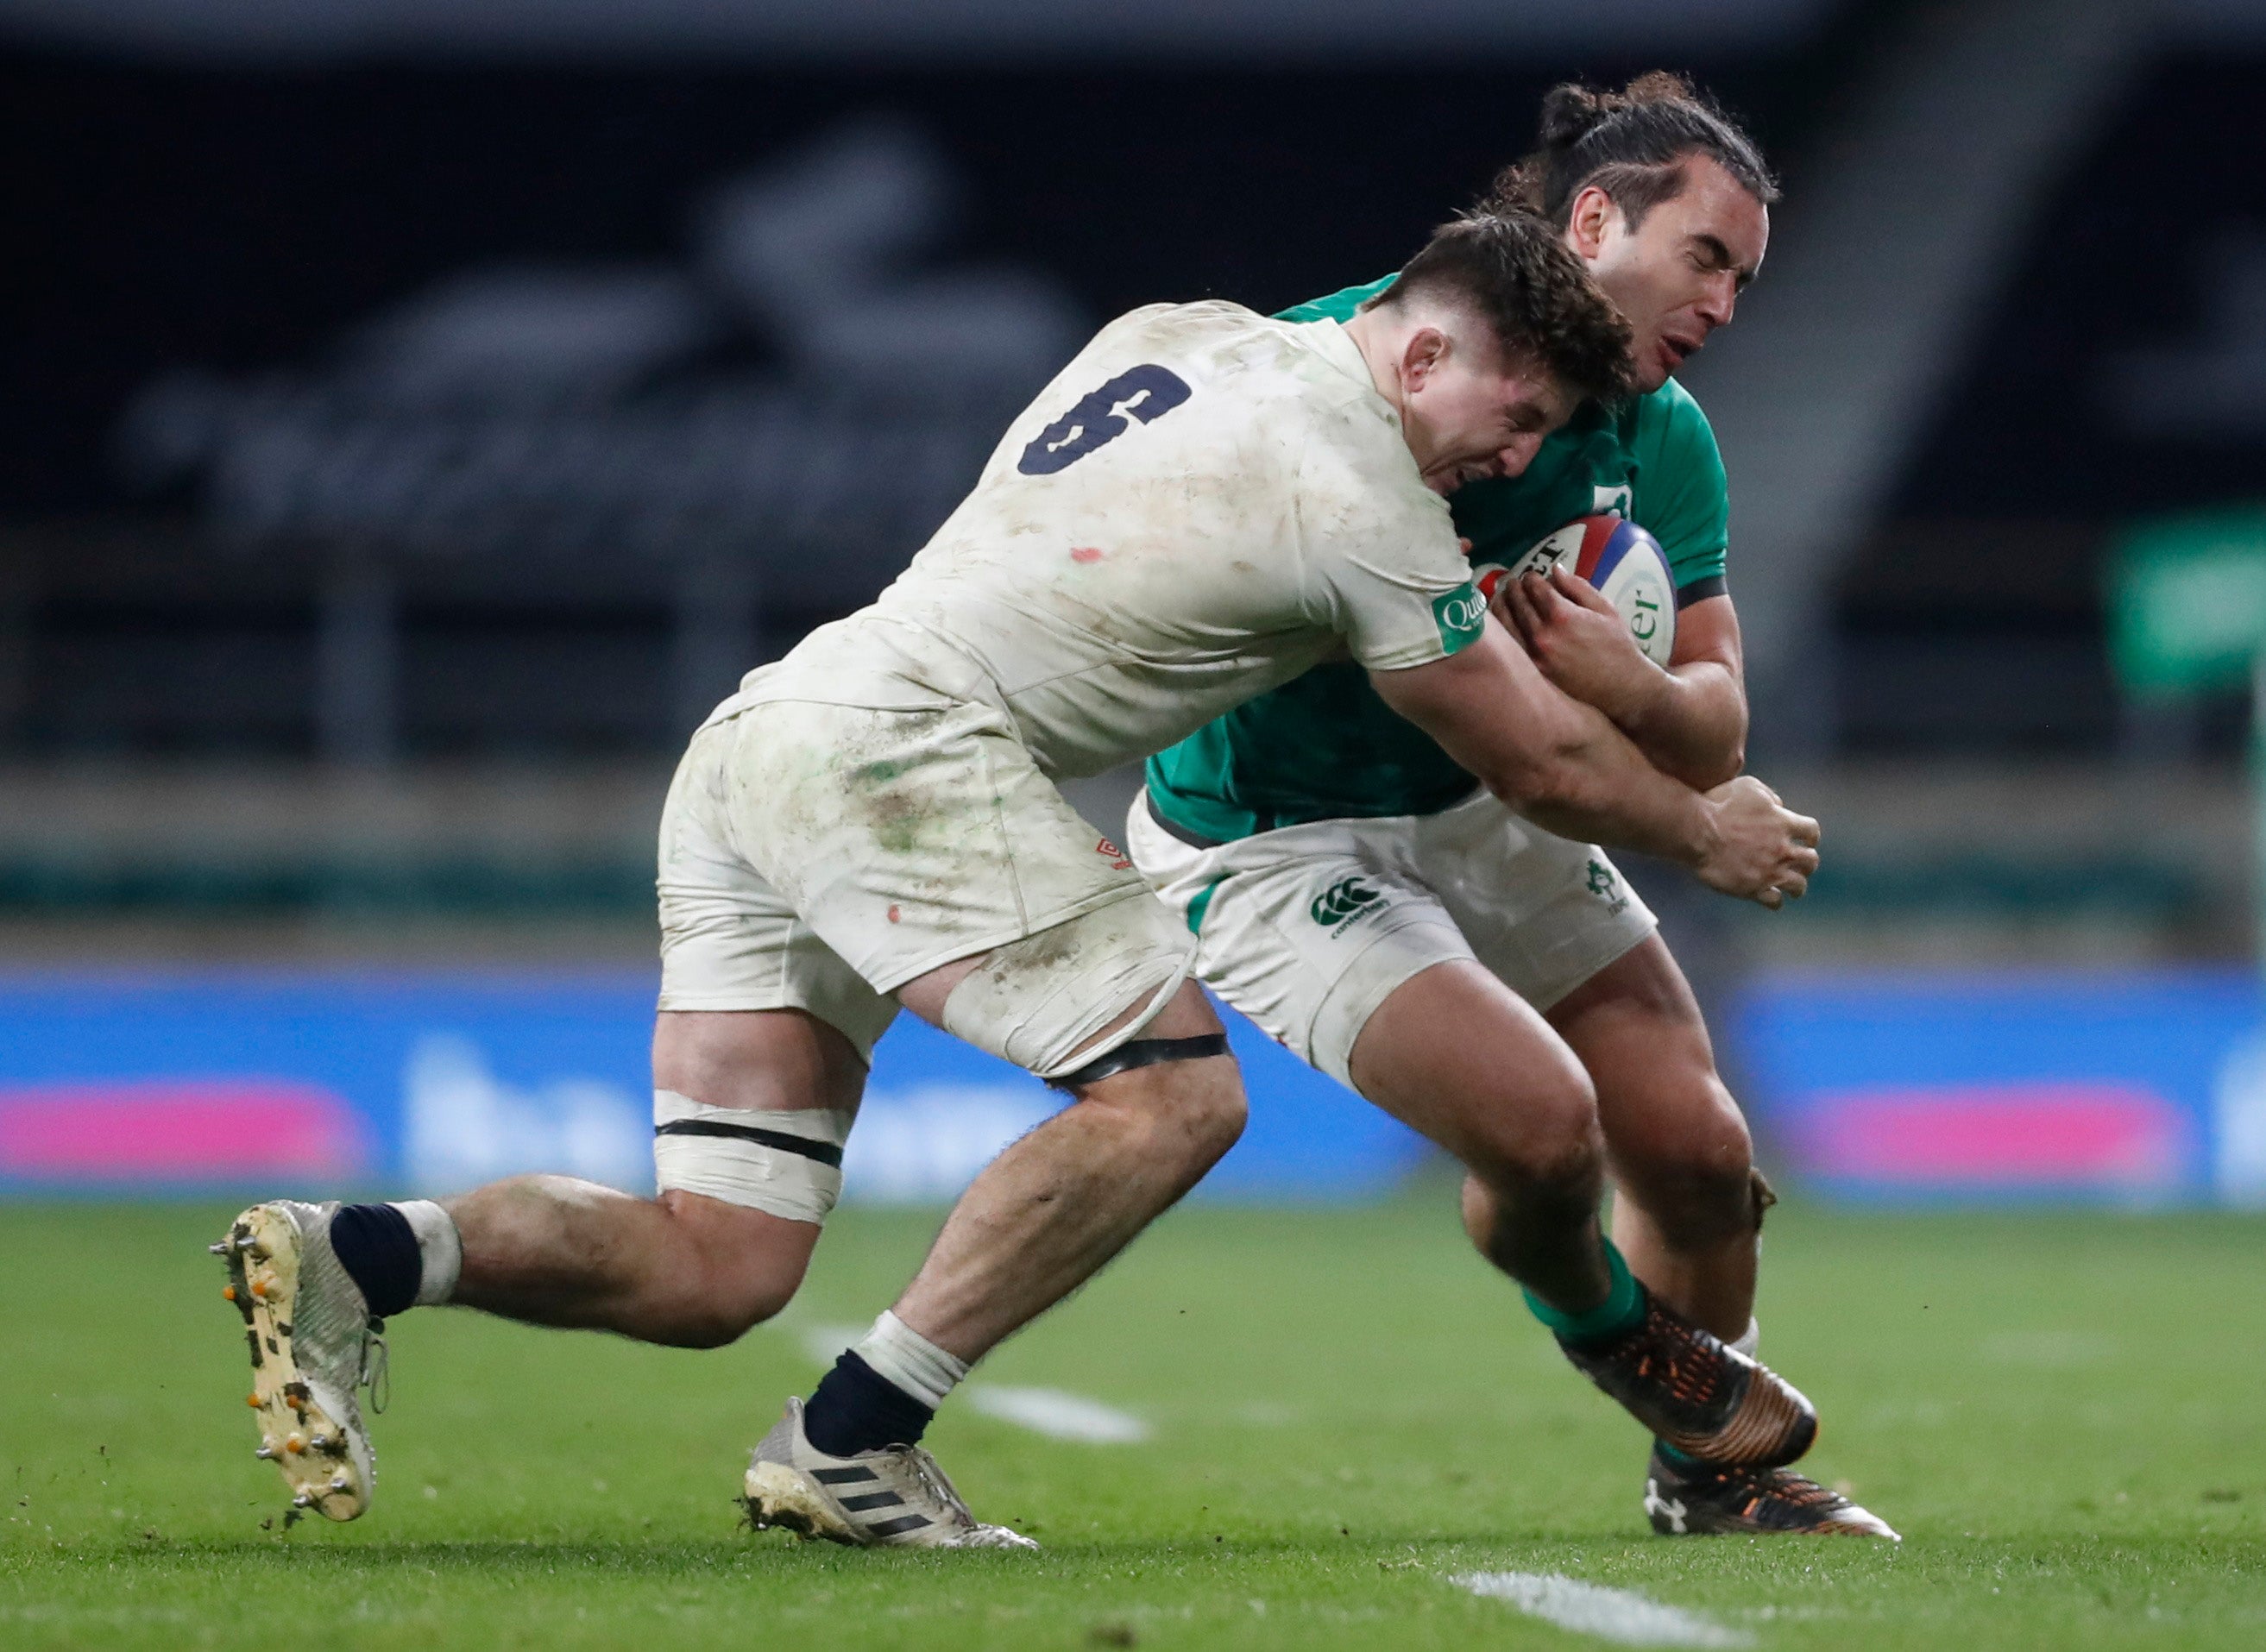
[1340,901]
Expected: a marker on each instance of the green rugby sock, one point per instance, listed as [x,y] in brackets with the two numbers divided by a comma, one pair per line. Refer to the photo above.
[1620,1312]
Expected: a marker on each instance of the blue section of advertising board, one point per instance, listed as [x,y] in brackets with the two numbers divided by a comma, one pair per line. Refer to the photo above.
[432,1081]
[2129,1087]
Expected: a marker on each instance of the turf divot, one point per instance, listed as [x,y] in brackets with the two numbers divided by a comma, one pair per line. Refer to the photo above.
[1610,1614]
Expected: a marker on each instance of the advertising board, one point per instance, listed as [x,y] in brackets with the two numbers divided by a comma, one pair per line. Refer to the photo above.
[2139,1088]
[433,1083]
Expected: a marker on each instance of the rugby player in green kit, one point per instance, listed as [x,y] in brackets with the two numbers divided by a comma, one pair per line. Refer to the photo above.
[1503,991]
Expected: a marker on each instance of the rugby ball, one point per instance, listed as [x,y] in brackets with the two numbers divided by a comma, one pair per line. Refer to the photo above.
[1621,560]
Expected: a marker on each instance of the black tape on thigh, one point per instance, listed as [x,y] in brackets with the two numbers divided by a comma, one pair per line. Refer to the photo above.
[1143,1052]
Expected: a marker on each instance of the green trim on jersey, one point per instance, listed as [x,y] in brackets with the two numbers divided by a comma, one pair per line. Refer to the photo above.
[1326,746]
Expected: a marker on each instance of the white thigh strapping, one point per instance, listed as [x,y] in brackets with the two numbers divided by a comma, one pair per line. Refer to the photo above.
[1037,1001]
[788,1163]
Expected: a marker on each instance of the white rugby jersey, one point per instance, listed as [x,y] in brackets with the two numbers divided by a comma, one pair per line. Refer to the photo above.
[1205,504]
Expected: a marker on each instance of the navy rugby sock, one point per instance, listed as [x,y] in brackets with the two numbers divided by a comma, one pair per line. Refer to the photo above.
[855,1408]
[378,1249]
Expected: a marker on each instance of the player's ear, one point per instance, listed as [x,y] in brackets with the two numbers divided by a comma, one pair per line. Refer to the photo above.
[1590,215]
[1426,351]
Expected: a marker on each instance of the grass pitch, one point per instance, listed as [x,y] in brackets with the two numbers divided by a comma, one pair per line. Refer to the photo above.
[2063,1414]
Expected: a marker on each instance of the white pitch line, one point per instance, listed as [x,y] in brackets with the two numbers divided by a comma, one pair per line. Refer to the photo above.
[1059,1415]
[826,1343]
[1610,1614]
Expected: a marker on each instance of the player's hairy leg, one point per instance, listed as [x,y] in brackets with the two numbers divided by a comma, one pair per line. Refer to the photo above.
[1053,1209]
[1455,1055]
[682,1269]
[1681,1158]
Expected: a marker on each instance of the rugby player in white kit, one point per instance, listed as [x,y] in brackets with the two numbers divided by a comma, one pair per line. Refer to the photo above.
[1205,504]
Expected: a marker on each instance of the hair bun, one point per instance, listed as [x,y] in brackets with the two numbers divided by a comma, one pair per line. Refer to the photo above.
[1571,112]
[1660,85]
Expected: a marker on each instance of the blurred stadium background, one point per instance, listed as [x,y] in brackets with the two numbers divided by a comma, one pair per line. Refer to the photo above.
[416,416]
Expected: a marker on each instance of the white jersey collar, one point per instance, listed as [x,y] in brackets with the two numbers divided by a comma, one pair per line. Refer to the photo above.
[1329,340]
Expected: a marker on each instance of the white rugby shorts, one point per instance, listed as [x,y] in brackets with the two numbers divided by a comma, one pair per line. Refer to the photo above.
[817,857]
[1308,929]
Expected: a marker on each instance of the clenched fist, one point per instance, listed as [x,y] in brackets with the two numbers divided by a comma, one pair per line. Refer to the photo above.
[1765,851]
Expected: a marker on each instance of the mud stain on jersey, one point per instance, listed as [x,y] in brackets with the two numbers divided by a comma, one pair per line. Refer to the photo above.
[902,801]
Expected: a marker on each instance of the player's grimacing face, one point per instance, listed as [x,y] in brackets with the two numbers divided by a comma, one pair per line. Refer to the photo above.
[1469,414]
[1677,275]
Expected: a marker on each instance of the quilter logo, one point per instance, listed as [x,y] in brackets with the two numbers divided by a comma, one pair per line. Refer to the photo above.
[1460,614]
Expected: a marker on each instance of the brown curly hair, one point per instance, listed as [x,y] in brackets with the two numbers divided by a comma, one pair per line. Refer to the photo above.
[1631,143]
[1517,273]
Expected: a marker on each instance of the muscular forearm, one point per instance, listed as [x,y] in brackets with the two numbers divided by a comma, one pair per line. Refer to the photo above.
[1555,760]
[1593,784]
[1565,765]
[1692,725]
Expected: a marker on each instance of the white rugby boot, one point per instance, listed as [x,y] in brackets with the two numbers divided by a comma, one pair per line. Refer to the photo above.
[897,1496]
[313,1343]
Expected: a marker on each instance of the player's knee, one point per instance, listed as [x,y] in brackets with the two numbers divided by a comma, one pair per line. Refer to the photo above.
[1544,1136]
[1212,1120]
[1563,1150]
[719,1322]
[733,1301]
[742,1269]
[1186,1100]
[1188,1115]
[1692,1171]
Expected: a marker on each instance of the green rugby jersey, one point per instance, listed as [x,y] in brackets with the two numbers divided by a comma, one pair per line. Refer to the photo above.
[1326,746]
